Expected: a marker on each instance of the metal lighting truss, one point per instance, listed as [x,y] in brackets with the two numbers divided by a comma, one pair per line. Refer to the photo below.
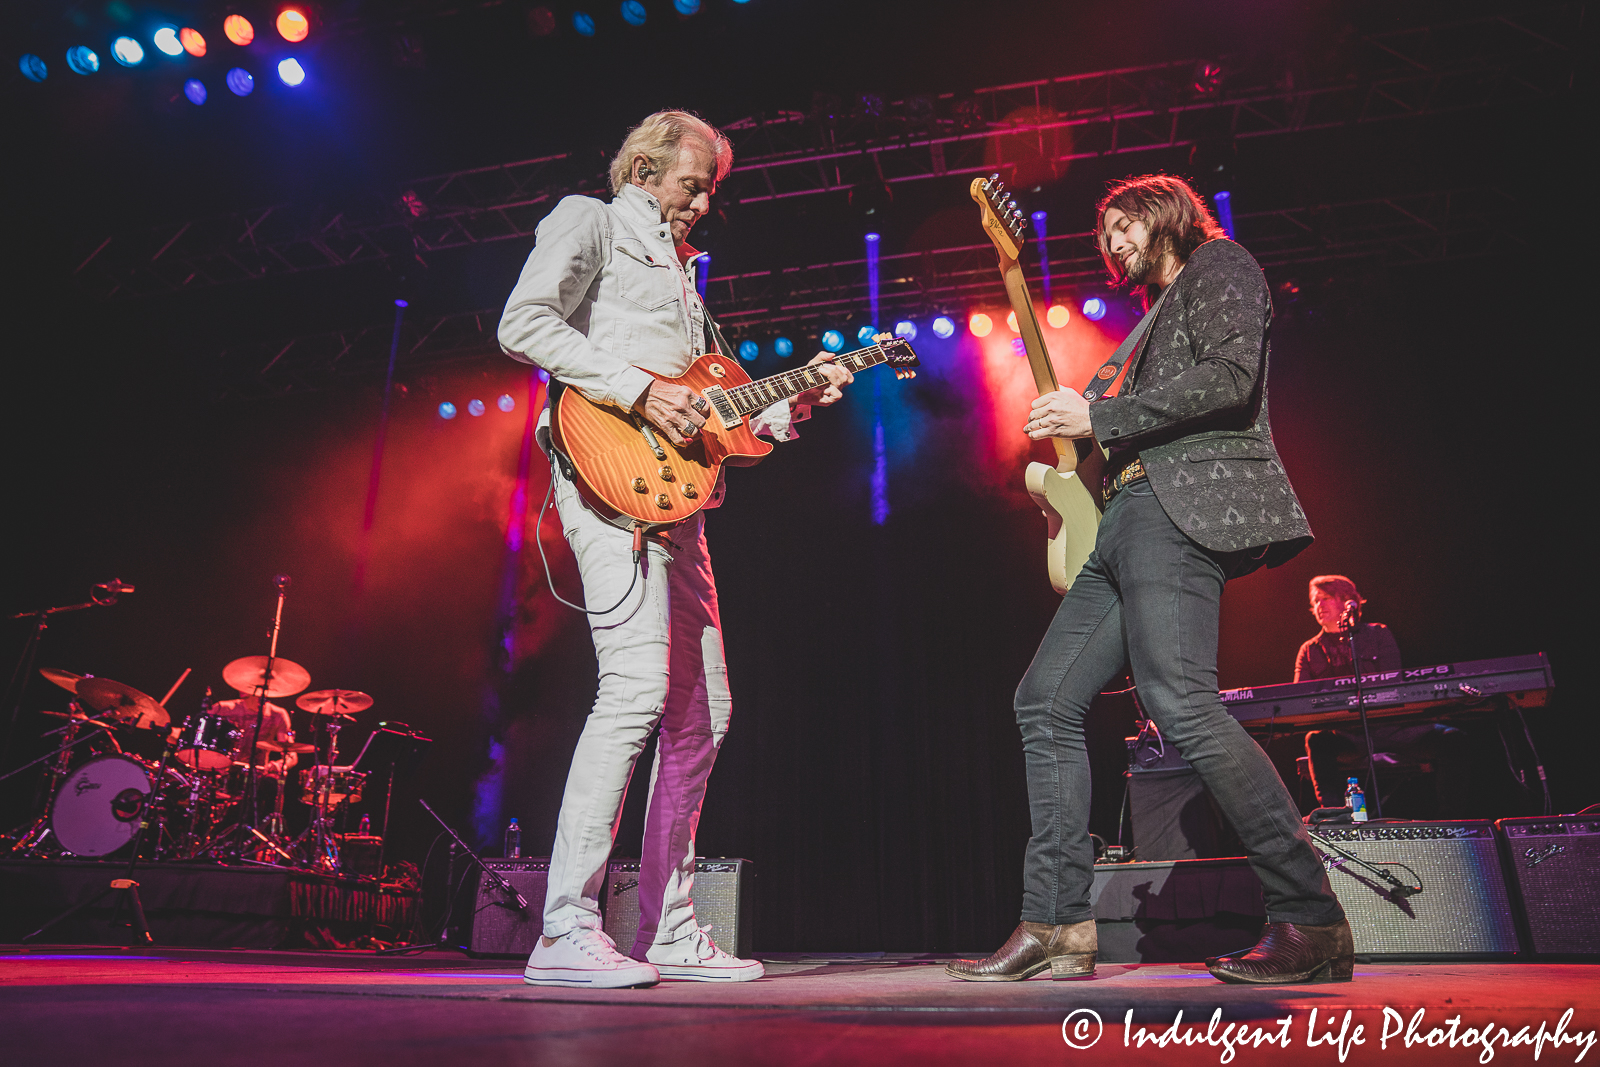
[801,301]
[872,145]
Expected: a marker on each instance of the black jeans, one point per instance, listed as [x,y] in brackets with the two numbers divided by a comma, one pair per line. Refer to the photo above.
[1149,597]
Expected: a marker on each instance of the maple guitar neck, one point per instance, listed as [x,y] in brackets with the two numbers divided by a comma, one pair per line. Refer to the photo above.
[1044,374]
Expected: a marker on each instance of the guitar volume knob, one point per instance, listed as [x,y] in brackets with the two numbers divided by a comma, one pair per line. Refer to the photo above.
[662,501]
[666,474]
[639,486]
[690,491]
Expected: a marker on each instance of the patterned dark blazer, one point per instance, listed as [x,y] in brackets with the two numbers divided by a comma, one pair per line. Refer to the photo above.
[1194,408]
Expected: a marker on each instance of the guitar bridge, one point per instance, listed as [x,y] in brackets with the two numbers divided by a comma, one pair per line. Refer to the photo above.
[724,407]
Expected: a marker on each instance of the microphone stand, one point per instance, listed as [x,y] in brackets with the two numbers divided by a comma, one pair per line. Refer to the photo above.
[282,582]
[1352,622]
[103,595]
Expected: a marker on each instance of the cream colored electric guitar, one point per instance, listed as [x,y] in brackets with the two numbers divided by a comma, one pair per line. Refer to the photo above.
[1069,493]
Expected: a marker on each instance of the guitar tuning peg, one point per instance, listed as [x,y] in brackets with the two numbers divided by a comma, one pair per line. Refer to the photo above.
[882,337]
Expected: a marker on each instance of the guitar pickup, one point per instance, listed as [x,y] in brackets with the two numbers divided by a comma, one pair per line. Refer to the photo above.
[718,399]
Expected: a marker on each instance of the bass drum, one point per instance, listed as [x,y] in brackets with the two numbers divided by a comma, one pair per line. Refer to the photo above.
[97,808]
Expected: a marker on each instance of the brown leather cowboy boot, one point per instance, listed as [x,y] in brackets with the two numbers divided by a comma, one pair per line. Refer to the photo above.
[1288,952]
[1069,952]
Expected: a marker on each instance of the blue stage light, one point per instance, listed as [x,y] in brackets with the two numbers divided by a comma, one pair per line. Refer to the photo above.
[906,328]
[166,40]
[402,303]
[783,347]
[544,375]
[290,72]
[686,7]
[127,51]
[82,59]
[583,23]
[33,68]
[195,90]
[507,402]
[447,410]
[241,81]
[1224,202]
[833,341]
[874,238]
[748,350]
[865,334]
[476,408]
[1094,309]
[633,12]
[944,327]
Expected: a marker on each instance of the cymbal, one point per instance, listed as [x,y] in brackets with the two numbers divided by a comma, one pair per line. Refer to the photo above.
[80,716]
[125,703]
[65,679]
[334,702]
[247,673]
[293,746]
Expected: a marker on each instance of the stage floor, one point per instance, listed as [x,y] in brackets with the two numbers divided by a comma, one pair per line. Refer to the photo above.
[177,1007]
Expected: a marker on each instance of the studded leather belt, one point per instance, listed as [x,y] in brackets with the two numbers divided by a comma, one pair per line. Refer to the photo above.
[1120,480]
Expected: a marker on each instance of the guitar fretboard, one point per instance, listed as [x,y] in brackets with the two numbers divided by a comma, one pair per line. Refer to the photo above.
[756,395]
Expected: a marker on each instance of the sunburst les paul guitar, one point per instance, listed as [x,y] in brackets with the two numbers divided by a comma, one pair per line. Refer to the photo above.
[626,468]
[1069,493]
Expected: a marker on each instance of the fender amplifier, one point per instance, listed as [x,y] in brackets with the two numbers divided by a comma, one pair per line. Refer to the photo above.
[498,927]
[1555,865]
[722,894]
[1462,911]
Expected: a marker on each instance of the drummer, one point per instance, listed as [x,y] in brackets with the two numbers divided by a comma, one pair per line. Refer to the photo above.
[276,730]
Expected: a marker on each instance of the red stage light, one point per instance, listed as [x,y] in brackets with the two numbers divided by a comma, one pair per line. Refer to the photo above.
[192,42]
[1011,321]
[292,24]
[980,324]
[237,29]
[1058,316]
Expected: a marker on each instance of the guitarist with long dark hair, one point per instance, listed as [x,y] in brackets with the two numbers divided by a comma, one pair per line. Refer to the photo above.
[1195,495]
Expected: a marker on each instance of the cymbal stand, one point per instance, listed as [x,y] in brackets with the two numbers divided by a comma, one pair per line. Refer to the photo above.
[252,811]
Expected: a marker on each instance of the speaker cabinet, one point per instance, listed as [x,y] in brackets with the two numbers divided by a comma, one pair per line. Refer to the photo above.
[1463,910]
[498,927]
[1555,866]
[722,899]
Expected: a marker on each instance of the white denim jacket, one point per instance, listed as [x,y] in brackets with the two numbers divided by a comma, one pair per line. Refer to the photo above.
[603,293]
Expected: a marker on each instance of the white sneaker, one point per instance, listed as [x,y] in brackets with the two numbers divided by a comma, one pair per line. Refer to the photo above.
[697,958]
[586,958]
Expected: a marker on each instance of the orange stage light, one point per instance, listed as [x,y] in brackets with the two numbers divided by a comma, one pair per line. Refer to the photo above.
[192,42]
[237,29]
[293,25]
[980,324]
[1058,316]
[1011,321]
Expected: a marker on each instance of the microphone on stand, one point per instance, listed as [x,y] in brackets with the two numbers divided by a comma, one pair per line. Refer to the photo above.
[1352,611]
[107,592]
[281,581]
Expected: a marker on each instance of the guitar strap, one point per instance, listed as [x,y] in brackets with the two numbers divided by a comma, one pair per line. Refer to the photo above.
[1108,373]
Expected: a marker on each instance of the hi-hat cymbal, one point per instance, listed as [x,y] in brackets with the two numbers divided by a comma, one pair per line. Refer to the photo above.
[125,703]
[247,674]
[334,702]
[293,746]
[65,679]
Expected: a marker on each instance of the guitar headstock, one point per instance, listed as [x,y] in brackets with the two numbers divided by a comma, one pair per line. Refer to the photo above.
[1002,219]
[898,355]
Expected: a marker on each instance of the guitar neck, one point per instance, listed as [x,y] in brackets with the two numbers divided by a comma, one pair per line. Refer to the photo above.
[756,395]
[1044,374]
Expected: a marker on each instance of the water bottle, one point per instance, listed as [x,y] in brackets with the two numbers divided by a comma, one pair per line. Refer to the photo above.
[514,840]
[1354,799]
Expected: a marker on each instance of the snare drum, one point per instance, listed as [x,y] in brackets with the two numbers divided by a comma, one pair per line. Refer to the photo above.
[321,787]
[96,810]
[207,742]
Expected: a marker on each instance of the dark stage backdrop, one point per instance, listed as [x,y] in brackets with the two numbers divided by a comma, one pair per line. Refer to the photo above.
[873,771]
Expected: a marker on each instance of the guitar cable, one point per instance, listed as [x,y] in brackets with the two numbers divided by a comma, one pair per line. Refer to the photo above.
[538,527]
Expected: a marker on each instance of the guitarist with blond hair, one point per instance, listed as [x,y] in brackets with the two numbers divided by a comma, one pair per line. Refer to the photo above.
[1195,495]
[608,289]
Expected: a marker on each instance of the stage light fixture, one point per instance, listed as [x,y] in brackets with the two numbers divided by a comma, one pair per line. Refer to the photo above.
[748,350]
[1058,315]
[633,12]
[82,59]
[906,328]
[980,324]
[241,81]
[833,341]
[166,41]
[686,7]
[475,407]
[399,303]
[237,29]
[865,335]
[783,347]
[507,402]
[195,90]
[944,327]
[1011,322]
[1094,309]
[127,51]
[583,22]
[541,21]
[33,68]
[290,72]
[293,25]
[447,410]
[192,42]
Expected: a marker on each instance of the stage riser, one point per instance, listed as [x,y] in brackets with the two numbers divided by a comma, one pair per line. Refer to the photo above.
[1555,867]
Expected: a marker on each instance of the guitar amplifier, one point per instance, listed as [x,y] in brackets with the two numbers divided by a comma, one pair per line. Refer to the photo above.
[723,899]
[1555,865]
[498,927]
[1463,910]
